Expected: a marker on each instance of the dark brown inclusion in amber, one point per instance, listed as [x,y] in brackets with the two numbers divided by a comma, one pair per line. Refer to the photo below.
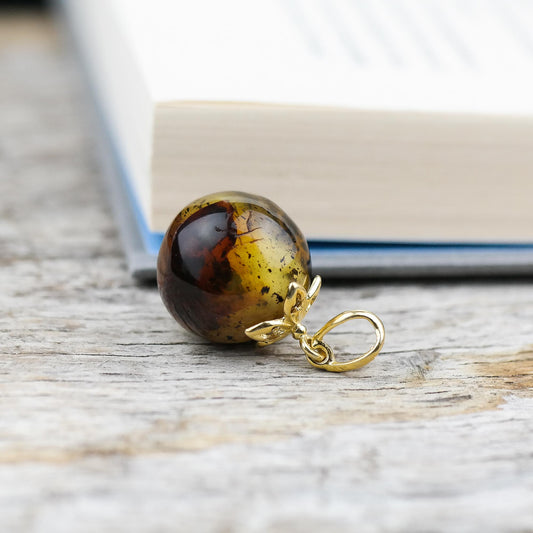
[226,262]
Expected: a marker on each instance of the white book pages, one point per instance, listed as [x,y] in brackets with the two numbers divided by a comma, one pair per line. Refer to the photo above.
[452,56]
[411,117]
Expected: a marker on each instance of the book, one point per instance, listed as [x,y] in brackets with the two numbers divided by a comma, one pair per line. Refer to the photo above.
[398,135]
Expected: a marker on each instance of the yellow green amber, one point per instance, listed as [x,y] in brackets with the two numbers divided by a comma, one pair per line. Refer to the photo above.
[226,263]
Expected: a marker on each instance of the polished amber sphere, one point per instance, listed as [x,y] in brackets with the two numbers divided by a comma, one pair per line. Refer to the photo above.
[226,262]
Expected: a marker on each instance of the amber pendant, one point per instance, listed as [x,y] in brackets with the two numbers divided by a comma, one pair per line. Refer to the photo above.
[234,267]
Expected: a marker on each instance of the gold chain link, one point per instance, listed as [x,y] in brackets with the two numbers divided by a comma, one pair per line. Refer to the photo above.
[318,353]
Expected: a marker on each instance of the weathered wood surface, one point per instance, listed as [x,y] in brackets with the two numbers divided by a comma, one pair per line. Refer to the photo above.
[114,419]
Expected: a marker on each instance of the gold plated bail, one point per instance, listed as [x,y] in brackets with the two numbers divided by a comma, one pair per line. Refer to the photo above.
[319,353]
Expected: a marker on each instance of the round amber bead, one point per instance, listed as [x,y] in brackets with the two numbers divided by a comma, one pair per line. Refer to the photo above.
[226,262]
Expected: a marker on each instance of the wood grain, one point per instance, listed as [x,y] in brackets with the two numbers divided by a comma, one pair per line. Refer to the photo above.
[114,419]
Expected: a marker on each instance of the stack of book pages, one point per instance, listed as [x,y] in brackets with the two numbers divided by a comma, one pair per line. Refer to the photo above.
[398,135]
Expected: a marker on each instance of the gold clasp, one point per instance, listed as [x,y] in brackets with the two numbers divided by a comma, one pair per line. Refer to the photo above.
[318,352]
